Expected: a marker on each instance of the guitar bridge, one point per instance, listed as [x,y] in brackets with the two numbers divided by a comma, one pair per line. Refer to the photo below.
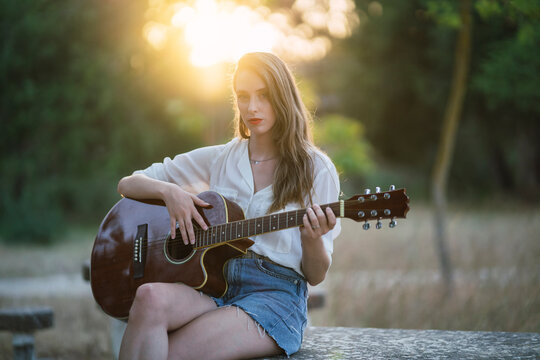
[139,251]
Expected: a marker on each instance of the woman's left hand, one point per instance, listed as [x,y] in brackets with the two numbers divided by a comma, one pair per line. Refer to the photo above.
[317,223]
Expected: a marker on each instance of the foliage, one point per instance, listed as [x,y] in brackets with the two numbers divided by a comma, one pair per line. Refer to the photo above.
[343,139]
[85,99]
[509,75]
[396,72]
[76,115]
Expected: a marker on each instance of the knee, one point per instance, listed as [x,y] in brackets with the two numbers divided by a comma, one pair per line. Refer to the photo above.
[149,302]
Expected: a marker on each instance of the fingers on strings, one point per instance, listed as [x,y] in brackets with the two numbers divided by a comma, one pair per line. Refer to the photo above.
[319,221]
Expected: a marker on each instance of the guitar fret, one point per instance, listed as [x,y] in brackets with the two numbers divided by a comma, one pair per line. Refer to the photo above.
[252,227]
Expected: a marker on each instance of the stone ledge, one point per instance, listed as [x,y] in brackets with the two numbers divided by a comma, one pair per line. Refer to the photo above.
[358,343]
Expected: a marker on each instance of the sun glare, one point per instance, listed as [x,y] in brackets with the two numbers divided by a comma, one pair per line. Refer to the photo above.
[222,31]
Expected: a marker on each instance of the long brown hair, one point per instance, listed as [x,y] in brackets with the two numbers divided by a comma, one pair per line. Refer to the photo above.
[293,178]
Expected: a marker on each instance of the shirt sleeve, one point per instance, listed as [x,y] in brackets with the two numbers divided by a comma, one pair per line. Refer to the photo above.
[190,170]
[326,190]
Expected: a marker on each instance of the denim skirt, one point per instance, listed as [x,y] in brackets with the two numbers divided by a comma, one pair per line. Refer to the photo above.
[274,296]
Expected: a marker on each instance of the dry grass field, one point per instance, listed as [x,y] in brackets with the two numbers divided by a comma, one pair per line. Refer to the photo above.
[390,278]
[384,278]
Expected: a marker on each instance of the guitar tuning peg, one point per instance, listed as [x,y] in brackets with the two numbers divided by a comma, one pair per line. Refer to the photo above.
[378,225]
[377,189]
[392,187]
[365,226]
[393,223]
[367,191]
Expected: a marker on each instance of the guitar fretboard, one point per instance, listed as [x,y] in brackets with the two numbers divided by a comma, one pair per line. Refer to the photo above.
[256,226]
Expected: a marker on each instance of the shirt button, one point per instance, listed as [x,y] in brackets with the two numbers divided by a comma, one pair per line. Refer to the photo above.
[295,282]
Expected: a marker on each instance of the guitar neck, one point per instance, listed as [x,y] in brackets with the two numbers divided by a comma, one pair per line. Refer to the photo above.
[250,227]
[390,204]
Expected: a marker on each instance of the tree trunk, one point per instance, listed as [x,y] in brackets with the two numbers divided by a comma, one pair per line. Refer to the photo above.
[448,138]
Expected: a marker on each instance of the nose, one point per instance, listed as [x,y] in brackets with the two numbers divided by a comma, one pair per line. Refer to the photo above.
[253,104]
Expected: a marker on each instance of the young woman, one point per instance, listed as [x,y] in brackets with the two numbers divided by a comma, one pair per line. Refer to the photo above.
[270,166]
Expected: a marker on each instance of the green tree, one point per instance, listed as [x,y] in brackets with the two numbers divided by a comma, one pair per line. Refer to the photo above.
[506,89]
[394,75]
[76,114]
[452,117]
[344,141]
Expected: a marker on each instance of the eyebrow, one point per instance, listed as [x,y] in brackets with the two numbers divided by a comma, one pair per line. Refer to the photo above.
[258,90]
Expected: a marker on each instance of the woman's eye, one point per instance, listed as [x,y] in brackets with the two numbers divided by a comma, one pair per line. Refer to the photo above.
[242,98]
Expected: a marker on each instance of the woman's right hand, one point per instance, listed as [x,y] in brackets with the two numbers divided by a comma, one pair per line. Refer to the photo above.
[182,210]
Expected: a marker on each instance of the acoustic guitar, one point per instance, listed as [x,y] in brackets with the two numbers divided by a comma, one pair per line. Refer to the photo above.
[133,245]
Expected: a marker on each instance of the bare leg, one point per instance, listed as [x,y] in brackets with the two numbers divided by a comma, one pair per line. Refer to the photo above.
[224,333]
[157,309]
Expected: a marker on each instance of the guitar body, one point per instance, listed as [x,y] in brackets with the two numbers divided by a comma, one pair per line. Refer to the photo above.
[133,248]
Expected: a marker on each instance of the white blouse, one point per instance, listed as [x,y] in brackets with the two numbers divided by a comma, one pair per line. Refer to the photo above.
[226,169]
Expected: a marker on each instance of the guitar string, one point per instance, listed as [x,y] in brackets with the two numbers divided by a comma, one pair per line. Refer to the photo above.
[199,233]
[334,206]
[156,244]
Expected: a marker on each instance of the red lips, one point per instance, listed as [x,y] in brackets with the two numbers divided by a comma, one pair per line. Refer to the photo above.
[255,121]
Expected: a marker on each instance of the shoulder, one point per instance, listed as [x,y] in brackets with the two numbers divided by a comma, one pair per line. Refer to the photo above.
[325,173]
[214,151]
[235,144]
[233,148]
[322,162]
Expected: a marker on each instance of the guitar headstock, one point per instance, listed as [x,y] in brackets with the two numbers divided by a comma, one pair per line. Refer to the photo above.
[390,204]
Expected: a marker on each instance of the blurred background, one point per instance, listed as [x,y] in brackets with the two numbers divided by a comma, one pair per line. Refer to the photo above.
[439,97]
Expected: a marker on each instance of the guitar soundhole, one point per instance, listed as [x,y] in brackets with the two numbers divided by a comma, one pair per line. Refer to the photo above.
[177,251]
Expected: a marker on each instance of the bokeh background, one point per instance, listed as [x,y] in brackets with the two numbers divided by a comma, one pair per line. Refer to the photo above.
[93,90]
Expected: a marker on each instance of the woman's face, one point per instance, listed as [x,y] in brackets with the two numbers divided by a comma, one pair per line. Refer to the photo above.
[254,103]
